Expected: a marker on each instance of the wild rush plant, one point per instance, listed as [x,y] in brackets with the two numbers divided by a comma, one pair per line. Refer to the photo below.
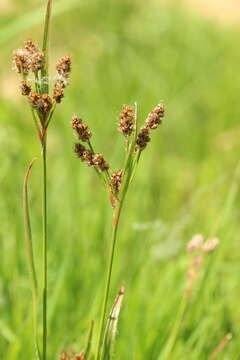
[31,63]
[117,185]
[198,249]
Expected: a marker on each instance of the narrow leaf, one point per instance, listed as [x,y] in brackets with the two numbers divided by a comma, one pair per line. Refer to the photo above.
[111,329]
[28,232]
[89,342]
[45,47]
[30,255]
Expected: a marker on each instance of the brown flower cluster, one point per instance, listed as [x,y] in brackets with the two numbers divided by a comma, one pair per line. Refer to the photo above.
[153,120]
[63,69]
[25,87]
[198,250]
[135,144]
[155,117]
[72,356]
[81,129]
[127,121]
[29,58]
[64,66]
[116,181]
[90,158]
[41,102]
[87,155]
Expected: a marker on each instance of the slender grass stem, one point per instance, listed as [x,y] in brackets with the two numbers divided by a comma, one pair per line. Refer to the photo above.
[109,277]
[44,295]
[29,246]
[176,327]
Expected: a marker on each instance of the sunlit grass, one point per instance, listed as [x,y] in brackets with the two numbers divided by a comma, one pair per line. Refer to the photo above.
[124,53]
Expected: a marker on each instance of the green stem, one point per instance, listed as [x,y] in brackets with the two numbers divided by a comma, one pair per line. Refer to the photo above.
[176,327]
[44,314]
[109,276]
[29,246]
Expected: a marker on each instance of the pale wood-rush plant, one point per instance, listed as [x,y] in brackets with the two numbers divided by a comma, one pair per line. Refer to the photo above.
[31,63]
[117,185]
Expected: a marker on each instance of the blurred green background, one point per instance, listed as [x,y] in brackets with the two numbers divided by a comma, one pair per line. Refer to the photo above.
[187,182]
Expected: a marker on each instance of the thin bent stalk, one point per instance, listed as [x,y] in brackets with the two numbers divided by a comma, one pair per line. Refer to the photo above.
[29,246]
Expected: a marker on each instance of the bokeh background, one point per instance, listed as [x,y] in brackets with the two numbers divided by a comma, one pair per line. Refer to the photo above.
[185,54]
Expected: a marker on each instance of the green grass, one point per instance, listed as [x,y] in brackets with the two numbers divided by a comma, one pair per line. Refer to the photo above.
[187,181]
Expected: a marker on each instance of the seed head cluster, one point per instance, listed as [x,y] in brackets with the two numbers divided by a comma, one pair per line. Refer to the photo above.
[29,58]
[116,181]
[153,120]
[72,356]
[143,138]
[81,129]
[127,120]
[41,102]
[100,162]
[198,249]
[64,66]
[90,158]
[63,69]
[25,87]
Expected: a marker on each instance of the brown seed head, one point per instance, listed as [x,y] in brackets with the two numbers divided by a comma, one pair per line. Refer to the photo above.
[58,94]
[195,243]
[126,124]
[143,138]
[87,157]
[82,129]
[41,102]
[22,61]
[116,181]
[30,46]
[64,66]
[80,356]
[37,61]
[210,245]
[61,82]
[154,117]
[100,162]
[79,150]
[25,88]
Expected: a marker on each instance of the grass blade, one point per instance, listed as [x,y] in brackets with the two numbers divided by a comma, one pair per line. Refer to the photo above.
[111,330]
[45,47]
[220,347]
[30,254]
[89,342]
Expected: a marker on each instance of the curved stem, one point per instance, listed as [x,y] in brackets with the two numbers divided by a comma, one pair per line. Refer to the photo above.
[29,246]
[44,314]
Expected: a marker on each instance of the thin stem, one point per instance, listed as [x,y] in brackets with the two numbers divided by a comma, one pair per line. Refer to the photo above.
[45,46]
[29,246]
[44,314]
[109,276]
[176,327]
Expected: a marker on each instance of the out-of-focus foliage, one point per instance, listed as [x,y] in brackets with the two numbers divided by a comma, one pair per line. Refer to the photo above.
[187,182]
